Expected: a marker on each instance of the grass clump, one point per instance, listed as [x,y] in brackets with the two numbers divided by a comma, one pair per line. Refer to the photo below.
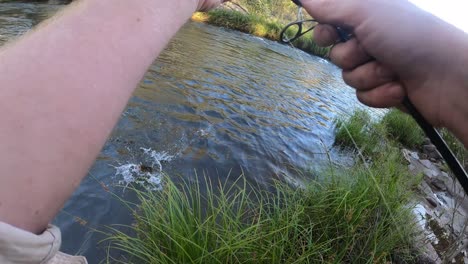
[352,216]
[370,136]
[403,128]
[359,131]
[456,146]
[258,26]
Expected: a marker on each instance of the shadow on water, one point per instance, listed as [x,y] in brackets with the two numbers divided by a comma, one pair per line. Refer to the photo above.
[216,101]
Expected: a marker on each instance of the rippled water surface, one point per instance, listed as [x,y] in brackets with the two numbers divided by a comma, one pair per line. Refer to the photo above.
[215,102]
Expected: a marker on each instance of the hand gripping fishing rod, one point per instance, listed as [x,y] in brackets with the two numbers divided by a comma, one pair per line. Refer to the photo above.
[428,129]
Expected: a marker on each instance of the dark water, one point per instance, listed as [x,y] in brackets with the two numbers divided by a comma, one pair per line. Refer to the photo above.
[215,102]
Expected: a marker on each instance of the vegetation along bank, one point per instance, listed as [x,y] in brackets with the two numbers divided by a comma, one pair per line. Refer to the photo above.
[259,26]
[358,214]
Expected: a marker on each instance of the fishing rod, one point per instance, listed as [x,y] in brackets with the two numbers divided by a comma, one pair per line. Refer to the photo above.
[428,129]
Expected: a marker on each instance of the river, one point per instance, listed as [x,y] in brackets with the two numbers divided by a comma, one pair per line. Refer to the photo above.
[216,102]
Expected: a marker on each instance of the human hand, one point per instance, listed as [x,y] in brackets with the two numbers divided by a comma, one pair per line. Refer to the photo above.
[399,50]
[206,5]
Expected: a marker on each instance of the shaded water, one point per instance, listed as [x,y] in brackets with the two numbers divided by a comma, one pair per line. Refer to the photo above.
[215,102]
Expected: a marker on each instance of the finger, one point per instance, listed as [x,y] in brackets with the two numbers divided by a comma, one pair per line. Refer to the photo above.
[325,35]
[388,95]
[349,55]
[335,12]
[368,76]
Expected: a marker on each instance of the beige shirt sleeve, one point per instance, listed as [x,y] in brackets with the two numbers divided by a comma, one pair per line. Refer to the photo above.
[21,247]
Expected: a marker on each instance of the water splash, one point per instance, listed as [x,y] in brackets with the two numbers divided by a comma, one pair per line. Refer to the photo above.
[148,176]
[157,157]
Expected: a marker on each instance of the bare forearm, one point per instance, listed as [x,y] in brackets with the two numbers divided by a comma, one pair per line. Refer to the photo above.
[62,88]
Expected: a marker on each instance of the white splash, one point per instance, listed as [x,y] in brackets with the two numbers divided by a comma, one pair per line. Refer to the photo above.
[148,176]
[158,157]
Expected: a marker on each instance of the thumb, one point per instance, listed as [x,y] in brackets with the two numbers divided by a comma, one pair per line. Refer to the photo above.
[347,13]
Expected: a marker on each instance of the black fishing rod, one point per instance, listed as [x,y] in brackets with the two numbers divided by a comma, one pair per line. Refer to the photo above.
[428,129]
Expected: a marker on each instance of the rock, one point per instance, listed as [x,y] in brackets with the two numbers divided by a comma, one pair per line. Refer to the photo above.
[430,173]
[429,148]
[435,155]
[425,189]
[429,169]
[410,156]
[427,163]
[426,259]
[431,152]
[429,254]
[427,141]
[432,201]
[439,184]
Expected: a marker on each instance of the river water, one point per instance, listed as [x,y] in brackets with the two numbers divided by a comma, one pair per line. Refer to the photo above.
[216,102]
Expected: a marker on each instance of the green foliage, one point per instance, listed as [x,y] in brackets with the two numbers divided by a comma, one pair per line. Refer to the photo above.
[402,128]
[456,146]
[358,131]
[257,26]
[395,127]
[278,10]
[246,23]
[353,216]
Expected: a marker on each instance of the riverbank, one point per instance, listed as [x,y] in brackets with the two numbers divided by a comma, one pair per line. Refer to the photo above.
[348,216]
[439,201]
[377,211]
[257,26]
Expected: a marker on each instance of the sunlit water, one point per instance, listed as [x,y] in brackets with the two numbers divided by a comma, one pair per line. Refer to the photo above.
[216,102]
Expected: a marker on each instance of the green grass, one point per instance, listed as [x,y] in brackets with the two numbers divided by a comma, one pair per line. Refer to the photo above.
[394,129]
[359,131]
[403,129]
[370,137]
[358,215]
[258,26]
[456,146]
